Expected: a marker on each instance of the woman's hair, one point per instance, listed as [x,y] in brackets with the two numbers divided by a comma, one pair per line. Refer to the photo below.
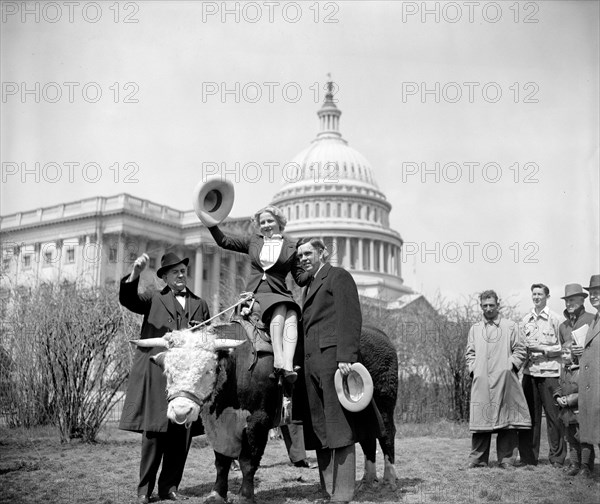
[315,243]
[275,212]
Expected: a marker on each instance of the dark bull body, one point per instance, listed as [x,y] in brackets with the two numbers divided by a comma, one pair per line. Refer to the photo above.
[243,405]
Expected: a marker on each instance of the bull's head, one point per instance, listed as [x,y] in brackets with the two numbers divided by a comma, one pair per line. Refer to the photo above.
[189,363]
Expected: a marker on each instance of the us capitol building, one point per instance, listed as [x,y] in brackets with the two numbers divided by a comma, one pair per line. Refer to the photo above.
[94,241]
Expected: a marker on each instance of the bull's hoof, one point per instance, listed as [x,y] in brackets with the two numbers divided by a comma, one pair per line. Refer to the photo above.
[240,499]
[391,484]
[214,498]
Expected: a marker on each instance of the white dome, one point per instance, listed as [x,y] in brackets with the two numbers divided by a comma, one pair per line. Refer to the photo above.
[334,160]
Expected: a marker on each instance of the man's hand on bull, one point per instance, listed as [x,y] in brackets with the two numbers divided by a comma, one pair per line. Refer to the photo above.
[344,367]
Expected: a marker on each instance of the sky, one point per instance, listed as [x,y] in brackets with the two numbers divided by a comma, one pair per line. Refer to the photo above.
[480,120]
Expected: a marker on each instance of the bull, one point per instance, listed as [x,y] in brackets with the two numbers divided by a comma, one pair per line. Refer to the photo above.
[217,374]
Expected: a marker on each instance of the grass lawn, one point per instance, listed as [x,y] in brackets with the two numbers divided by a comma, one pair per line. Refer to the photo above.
[430,463]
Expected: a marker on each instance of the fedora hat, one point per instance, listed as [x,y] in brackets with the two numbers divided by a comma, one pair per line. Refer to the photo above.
[168,261]
[213,200]
[574,289]
[355,390]
[594,282]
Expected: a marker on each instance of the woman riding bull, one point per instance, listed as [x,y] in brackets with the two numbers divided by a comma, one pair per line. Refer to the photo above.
[272,257]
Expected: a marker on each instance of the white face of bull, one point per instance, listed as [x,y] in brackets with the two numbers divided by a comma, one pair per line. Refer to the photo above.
[190,365]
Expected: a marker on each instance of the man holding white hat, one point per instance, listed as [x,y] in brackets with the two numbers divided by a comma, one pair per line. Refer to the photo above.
[332,321]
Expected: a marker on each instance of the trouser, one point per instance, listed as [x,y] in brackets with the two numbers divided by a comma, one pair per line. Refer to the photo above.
[506,446]
[337,472]
[538,393]
[293,437]
[580,454]
[172,448]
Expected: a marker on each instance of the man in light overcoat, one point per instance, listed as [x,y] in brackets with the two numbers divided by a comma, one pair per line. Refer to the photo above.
[495,353]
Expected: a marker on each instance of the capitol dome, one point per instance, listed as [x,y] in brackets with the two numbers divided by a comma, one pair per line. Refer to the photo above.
[330,192]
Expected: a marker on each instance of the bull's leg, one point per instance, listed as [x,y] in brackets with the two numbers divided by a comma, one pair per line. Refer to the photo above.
[387,447]
[219,491]
[254,440]
[369,449]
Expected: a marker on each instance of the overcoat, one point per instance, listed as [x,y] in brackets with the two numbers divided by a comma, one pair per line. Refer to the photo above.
[332,323]
[568,388]
[275,275]
[145,407]
[494,358]
[589,386]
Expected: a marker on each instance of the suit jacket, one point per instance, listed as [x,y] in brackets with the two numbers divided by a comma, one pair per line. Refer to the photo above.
[332,313]
[145,407]
[589,386]
[252,245]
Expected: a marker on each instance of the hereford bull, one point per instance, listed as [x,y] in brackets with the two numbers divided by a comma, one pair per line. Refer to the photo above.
[232,393]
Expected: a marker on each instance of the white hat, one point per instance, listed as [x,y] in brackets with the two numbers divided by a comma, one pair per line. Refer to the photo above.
[213,200]
[355,390]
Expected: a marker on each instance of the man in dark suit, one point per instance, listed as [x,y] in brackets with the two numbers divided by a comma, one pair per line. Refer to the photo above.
[145,408]
[332,321]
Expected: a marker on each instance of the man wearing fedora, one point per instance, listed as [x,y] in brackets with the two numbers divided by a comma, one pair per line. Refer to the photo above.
[576,318]
[589,373]
[540,328]
[145,408]
[332,322]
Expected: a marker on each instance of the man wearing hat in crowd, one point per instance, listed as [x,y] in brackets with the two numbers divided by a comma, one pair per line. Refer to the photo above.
[589,373]
[540,328]
[581,455]
[145,408]
[332,322]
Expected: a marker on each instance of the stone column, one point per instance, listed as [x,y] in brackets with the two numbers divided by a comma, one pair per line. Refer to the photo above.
[372,255]
[215,277]
[335,258]
[360,254]
[199,272]
[121,258]
[382,267]
[347,257]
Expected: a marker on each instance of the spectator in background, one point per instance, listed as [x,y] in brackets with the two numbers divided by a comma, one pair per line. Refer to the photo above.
[540,328]
[494,355]
[581,455]
[589,374]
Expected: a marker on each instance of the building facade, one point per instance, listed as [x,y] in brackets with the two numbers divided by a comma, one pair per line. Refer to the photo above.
[93,242]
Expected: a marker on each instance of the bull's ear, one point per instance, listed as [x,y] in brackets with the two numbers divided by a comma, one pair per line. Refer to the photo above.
[159,359]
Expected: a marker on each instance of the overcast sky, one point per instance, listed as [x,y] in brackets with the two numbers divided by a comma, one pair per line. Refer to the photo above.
[480,121]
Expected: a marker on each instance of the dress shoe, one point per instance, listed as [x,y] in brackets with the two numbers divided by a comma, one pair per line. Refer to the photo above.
[290,376]
[276,373]
[142,499]
[585,472]
[303,463]
[476,465]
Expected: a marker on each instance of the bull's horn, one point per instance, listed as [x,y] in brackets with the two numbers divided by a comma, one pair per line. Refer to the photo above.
[150,342]
[222,344]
